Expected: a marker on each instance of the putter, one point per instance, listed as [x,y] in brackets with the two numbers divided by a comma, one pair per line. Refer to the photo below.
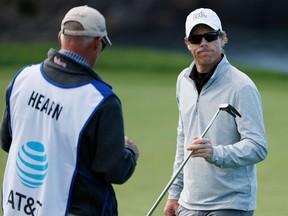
[222,107]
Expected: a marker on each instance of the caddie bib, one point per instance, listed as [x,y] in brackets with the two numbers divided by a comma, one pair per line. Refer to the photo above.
[46,122]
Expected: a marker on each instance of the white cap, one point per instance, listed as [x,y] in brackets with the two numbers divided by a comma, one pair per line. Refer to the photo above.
[92,21]
[202,16]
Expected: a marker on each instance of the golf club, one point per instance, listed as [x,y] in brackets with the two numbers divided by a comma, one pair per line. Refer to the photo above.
[222,107]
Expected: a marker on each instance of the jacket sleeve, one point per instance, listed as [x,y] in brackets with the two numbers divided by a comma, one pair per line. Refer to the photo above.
[177,186]
[110,158]
[252,147]
[5,134]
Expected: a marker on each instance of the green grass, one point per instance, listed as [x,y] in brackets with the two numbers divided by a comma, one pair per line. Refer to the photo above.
[145,79]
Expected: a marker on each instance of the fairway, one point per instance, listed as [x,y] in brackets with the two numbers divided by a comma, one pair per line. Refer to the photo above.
[145,79]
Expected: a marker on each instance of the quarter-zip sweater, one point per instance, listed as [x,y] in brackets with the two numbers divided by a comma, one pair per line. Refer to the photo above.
[228,181]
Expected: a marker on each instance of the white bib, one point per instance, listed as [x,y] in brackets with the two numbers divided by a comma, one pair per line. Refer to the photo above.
[47,121]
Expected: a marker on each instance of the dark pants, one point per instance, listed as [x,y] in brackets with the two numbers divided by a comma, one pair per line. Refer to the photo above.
[181,211]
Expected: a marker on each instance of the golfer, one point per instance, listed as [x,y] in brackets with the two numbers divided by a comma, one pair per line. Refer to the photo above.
[220,178]
[63,129]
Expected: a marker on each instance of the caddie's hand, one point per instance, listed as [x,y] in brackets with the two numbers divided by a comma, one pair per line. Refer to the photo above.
[171,207]
[132,146]
[201,148]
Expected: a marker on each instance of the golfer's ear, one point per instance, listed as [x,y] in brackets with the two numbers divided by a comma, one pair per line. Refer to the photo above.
[224,38]
[186,40]
[187,43]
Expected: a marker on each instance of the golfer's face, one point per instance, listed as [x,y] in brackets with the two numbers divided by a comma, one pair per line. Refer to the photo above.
[205,48]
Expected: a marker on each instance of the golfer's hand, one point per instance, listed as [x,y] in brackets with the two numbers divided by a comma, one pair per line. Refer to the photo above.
[201,148]
[131,145]
[171,207]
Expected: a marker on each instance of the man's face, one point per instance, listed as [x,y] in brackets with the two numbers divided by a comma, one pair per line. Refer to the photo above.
[206,54]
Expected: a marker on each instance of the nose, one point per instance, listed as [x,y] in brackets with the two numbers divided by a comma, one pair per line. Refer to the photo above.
[203,42]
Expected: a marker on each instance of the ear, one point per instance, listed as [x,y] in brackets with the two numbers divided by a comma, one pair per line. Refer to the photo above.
[224,38]
[59,37]
[187,43]
[97,43]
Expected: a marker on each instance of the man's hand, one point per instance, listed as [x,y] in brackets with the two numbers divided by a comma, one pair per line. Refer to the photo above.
[131,145]
[171,207]
[201,148]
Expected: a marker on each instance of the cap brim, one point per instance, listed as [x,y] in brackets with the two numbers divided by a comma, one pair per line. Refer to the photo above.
[107,40]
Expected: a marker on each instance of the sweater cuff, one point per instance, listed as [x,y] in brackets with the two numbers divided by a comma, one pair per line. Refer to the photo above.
[130,150]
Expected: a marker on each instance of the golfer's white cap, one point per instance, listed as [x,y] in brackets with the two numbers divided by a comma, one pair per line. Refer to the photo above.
[92,21]
[202,16]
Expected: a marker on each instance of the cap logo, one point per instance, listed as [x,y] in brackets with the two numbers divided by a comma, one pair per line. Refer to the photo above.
[79,15]
[199,15]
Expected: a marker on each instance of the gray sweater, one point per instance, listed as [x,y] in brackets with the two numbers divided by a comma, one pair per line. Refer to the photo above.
[229,180]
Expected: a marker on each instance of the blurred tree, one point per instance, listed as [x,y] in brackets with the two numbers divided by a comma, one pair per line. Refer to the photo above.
[24,20]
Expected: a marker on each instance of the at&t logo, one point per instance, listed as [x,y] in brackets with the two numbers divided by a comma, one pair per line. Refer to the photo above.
[32,164]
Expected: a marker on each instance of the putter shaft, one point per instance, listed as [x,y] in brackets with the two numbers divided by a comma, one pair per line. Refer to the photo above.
[179,169]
